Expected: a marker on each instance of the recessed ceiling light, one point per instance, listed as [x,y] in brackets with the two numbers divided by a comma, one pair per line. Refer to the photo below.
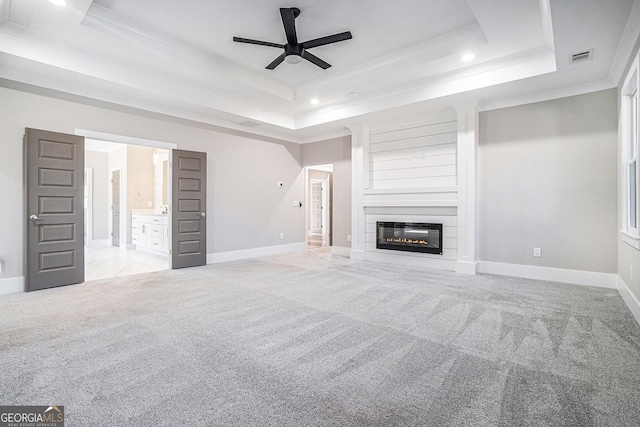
[468,57]
[59,2]
[315,101]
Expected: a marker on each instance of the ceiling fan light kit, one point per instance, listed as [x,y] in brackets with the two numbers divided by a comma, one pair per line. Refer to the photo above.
[295,52]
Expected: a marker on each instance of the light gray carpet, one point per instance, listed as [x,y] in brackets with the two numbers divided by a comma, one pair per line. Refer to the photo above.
[313,340]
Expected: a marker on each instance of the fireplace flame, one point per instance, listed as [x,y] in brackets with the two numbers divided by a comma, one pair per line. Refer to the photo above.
[405,240]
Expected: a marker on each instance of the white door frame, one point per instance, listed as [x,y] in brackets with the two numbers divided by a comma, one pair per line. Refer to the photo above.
[327,203]
[129,140]
[89,205]
[123,206]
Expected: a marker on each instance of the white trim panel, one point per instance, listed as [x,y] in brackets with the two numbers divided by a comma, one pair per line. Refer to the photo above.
[469,268]
[628,298]
[217,257]
[11,285]
[576,277]
[630,240]
[340,251]
[398,258]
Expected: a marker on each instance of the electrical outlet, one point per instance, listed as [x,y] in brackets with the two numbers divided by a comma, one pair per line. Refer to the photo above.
[281,236]
[537,252]
[348,237]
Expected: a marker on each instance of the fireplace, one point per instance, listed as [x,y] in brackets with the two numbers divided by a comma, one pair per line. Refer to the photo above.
[409,236]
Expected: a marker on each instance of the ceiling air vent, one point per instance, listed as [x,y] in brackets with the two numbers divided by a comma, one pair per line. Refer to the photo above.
[581,56]
[249,124]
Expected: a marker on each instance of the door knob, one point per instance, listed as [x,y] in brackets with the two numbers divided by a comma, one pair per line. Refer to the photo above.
[34,217]
[203,214]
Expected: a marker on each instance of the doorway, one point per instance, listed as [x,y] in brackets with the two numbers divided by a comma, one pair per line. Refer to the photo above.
[129,209]
[58,225]
[318,207]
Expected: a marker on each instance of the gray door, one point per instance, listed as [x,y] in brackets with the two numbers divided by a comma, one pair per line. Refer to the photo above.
[54,165]
[115,208]
[188,216]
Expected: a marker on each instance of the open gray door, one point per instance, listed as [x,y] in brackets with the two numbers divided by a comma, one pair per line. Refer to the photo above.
[54,170]
[188,216]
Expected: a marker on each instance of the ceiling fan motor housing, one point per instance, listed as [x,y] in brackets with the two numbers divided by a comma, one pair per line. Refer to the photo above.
[294,50]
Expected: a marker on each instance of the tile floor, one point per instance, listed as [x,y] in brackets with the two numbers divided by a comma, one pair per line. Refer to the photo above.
[102,261]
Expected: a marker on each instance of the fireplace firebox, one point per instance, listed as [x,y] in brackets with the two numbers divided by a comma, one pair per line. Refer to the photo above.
[409,236]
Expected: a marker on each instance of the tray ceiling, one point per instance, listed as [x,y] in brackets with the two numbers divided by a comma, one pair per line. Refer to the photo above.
[178,58]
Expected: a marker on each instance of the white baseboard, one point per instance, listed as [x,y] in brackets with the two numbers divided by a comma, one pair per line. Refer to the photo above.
[218,257]
[340,251]
[629,298]
[576,277]
[357,255]
[11,285]
[470,268]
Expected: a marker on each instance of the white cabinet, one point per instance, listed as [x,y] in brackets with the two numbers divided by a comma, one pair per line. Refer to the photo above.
[150,232]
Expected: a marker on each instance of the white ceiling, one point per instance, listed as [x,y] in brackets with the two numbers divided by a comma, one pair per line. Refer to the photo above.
[404,61]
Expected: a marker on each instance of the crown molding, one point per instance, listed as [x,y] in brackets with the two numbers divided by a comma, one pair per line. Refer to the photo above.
[547,95]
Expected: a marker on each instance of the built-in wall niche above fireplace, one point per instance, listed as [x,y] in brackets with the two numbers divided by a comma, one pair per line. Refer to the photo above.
[409,236]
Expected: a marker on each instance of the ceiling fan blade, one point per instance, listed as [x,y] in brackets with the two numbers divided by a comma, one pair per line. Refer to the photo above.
[275,62]
[258,42]
[289,21]
[314,59]
[327,40]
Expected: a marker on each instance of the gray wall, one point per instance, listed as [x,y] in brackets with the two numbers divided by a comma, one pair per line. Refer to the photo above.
[337,152]
[548,179]
[99,162]
[246,209]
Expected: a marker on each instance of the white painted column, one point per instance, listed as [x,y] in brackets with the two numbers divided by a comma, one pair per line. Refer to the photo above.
[359,181]
[468,211]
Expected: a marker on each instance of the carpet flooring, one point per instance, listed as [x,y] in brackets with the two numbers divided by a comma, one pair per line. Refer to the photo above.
[311,339]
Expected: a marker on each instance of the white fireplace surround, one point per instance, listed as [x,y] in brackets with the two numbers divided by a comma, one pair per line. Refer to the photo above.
[454,205]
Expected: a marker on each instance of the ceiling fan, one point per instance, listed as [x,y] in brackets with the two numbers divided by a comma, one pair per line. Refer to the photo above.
[295,52]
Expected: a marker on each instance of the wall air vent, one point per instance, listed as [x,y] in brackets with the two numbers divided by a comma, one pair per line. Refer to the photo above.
[249,124]
[581,56]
